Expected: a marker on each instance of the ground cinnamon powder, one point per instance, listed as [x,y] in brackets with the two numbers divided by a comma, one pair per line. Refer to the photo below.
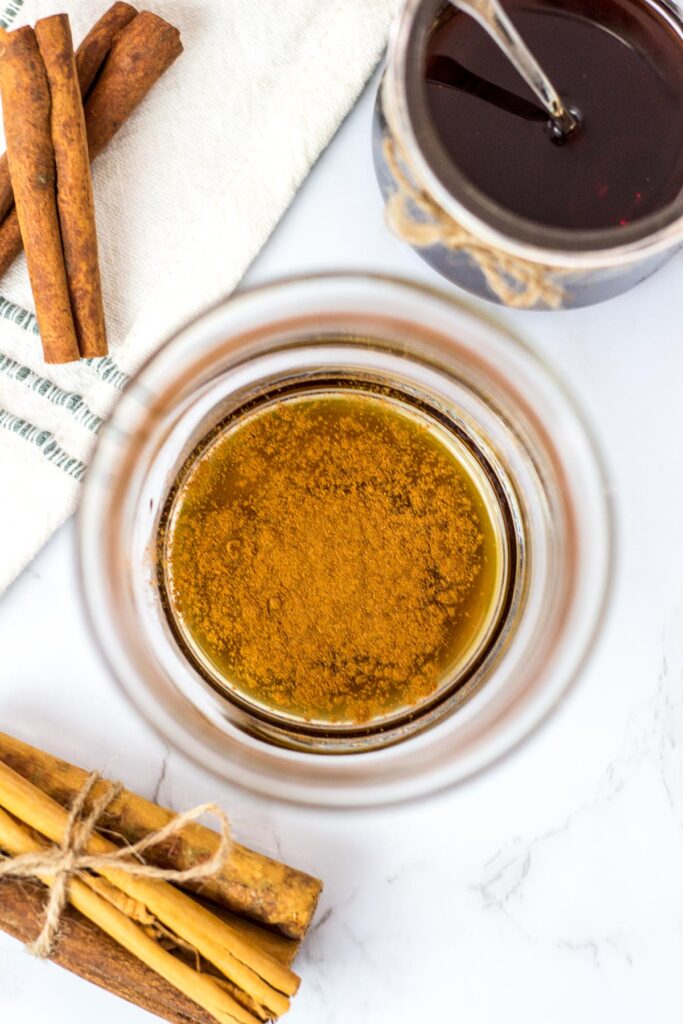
[329,557]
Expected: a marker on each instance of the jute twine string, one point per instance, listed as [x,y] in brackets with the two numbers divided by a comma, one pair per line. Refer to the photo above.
[518,283]
[69,858]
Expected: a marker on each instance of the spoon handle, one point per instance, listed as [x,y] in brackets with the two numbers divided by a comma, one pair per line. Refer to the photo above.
[492,17]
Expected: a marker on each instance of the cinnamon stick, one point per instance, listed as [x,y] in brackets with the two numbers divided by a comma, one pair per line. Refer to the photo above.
[6,193]
[26,113]
[144,52]
[10,239]
[75,202]
[250,884]
[92,52]
[85,950]
[140,54]
[203,989]
[258,974]
[89,59]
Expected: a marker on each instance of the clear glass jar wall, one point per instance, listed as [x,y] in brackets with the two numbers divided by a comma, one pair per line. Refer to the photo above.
[425,346]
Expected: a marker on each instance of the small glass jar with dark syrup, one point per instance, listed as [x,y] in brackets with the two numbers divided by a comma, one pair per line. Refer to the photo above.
[595,213]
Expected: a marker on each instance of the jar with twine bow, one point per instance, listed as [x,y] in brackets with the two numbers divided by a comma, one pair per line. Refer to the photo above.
[468,238]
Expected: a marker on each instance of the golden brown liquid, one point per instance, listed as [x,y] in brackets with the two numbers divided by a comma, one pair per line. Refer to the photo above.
[332,558]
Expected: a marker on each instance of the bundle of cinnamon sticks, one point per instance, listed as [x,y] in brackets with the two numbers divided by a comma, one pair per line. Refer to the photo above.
[225,956]
[60,110]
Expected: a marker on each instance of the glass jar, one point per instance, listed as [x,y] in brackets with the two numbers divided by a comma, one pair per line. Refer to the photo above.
[312,333]
[584,267]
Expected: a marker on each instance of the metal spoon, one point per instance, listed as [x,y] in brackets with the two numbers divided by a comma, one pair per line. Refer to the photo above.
[448,73]
[492,17]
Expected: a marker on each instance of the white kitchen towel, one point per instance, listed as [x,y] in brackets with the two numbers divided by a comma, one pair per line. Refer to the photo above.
[186,195]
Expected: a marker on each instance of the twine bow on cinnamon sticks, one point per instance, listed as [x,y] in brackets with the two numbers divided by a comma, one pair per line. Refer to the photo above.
[69,859]
[232,979]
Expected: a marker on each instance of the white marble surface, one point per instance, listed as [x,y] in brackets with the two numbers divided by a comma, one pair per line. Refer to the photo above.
[549,890]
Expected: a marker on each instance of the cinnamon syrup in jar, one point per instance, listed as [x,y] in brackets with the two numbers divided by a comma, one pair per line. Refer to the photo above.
[333,557]
[618,63]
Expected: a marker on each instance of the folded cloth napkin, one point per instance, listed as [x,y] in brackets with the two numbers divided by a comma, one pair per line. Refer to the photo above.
[186,195]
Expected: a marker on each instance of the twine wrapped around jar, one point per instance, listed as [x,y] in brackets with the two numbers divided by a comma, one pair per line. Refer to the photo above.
[416,218]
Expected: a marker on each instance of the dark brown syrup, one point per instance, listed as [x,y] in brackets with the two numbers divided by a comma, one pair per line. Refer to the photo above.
[619,63]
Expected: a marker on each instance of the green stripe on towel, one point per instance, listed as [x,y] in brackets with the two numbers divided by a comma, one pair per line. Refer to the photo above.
[10,12]
[45,441]
[51,392]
